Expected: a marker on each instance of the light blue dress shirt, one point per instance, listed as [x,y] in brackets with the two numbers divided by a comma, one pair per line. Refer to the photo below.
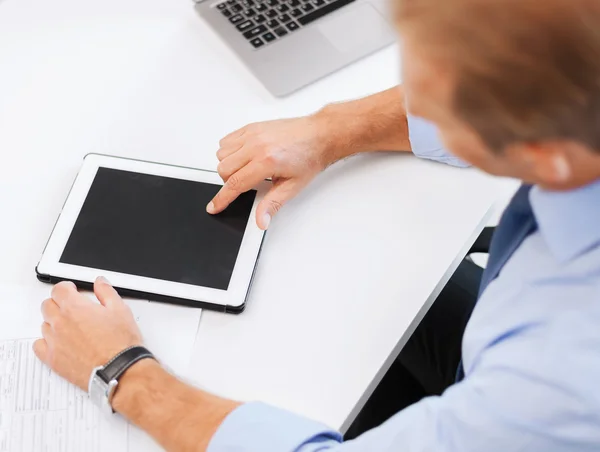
[531,353]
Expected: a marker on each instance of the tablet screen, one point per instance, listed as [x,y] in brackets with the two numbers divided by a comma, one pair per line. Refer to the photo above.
[157,227]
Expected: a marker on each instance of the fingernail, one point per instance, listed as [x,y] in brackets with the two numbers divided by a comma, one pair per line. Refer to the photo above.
[102,280]
[266,221]
[210,208]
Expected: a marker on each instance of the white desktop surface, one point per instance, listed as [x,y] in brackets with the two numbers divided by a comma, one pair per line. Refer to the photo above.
[347,269]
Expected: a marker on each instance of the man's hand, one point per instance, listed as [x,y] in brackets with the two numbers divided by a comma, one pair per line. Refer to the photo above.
[290,151]
[79,334]
[293,151]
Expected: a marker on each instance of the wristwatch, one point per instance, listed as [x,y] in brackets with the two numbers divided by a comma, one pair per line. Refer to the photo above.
[105,379]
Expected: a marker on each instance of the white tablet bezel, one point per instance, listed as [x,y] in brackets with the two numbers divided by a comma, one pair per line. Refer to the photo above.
[241,277]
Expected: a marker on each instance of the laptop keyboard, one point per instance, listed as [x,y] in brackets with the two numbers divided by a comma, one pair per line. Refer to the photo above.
[264,21]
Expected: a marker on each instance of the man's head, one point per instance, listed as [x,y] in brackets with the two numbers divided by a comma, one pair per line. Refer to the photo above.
[513,85]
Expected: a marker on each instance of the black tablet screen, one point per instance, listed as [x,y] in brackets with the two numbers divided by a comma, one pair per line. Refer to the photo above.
[157,227]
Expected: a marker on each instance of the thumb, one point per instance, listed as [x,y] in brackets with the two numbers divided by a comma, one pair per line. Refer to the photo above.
[106,294]
[280,193]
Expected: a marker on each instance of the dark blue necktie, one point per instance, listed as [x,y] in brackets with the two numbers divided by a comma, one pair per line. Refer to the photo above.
[516,224]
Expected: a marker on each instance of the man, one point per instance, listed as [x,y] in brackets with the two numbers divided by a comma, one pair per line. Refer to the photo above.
[513,87]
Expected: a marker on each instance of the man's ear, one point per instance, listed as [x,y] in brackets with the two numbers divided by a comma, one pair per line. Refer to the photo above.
[548,162]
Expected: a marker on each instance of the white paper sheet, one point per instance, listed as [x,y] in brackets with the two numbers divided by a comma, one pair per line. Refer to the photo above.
[39,411]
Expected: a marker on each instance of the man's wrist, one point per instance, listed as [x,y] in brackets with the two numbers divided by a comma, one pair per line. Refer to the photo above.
[334,133]
[344,131]
[375,123]
[130,382]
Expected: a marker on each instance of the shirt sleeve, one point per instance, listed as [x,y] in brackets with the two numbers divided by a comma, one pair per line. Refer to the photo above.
[257,427]
[425,143]
[509,402]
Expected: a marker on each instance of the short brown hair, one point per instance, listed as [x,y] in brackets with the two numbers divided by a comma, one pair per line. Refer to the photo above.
[526,70]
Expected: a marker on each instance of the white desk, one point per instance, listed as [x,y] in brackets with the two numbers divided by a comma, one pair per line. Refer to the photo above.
[348,268]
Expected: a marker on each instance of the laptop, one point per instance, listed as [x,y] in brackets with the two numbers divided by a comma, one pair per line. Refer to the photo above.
[288,44]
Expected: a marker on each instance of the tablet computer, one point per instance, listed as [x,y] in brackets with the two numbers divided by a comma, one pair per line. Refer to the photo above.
[144,227]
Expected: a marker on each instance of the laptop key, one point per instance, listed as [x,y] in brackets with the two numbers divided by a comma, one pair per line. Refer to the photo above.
[329,8]
[292,26]
[280,31]
[268,37]
[257,42]
[284,18]
[248,3]
[294,3]
[296,12]
[318,3]
[272,3]
[271,13]
[260,19]
[246,25]
[235,19]
[251,34]
[249,12]
[261,7]
[222,5]
[282,8]
[307,8]
[236,8]
[226,13]
[273,23]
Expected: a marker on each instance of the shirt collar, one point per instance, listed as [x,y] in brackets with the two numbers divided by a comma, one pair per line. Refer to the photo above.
[568,221]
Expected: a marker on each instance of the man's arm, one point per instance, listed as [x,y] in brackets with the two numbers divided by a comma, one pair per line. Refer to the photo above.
[470,415]
[178,416]
[381,122]
[507,402]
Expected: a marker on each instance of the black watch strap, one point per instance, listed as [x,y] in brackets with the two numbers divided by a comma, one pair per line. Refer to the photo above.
[123,361]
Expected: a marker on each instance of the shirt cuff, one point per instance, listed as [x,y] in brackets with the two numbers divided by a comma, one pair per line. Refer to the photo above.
[426,144]
[256,427]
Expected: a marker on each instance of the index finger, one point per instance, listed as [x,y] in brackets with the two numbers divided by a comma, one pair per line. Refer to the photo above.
[242,181]
[63,292]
